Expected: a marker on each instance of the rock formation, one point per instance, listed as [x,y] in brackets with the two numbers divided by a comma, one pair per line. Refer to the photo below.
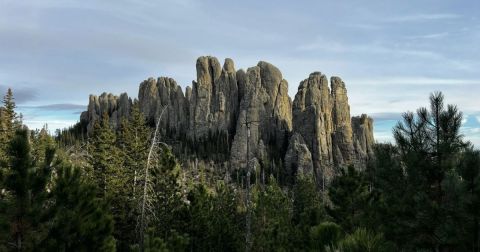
[265,105]
[311,136]
[298,159]
[363,141]
[214,97]
[156,94]
[113,106]
[322,117]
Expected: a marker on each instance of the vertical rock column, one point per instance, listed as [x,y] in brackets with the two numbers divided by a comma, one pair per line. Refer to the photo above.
[342,136]
[312,119]
[265,101]
[363,139]
[213,98]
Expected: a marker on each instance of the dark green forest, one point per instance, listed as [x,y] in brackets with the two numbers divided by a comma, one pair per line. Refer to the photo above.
[77,192]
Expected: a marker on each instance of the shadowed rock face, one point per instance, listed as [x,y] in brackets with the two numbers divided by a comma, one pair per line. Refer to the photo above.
[298,159]
[156,94]
[311,136]
[115,107]
[214,97]
[322,117]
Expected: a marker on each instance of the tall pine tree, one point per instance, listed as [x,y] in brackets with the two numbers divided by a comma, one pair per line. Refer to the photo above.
[133,142]
[79,220]
[8,124]
[429,145]
[25,194]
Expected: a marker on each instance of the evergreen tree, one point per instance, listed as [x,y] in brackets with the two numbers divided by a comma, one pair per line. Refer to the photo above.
[41,141]
[80,221]
[363,240]
[389,212]
[272,222]
[349,195]
[308,209]
[469,170]
[429,145]
[112,179]
[104,158]
[133,143]
[25,194]
[214,221]
[8,124]
[9,116]
[168,203]
[324,236]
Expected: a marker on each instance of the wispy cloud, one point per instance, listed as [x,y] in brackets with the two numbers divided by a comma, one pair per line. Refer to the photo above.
[430,36]
[386,116]
[20,94]
[415,81]
[422,17]
[374,48]
[363,26]
[59,106]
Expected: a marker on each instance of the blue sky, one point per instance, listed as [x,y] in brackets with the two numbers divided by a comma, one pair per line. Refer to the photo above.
[391,54]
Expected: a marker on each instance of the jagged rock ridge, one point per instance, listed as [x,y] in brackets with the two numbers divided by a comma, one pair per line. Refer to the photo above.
[312,135]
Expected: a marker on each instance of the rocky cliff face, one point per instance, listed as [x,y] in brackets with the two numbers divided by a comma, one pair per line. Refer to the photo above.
[311,136]
[155,95]
[214,98]
[115,107]
[322,117]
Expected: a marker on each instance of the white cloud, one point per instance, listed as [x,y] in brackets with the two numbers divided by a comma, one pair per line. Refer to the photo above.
[464,119]
[422,17]
[430,36]
[330,46]
[415,81]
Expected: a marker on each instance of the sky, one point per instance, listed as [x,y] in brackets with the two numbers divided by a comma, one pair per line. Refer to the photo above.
[391,54]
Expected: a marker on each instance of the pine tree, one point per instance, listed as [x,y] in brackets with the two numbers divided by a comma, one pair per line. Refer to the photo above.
[25,193]
[349,195]
[469,170]
[389,213]
[133,143]
[429,145]
[41,141]
[9,115]
[104,159]
[168,194]
[363,240]
[272,222]
[112,179]
[214,222]
[308,209]
[325,235]
[80,221]
[8,124]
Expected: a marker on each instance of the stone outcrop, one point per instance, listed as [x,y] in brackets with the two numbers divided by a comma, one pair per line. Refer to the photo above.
[313,120]
[213,98]
[314,134]
[266,108]
[363,140]
[116,107]
[322,117]
[155,95]
[298,159]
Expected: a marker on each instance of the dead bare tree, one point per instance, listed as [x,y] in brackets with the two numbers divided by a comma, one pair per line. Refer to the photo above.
[146,208]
